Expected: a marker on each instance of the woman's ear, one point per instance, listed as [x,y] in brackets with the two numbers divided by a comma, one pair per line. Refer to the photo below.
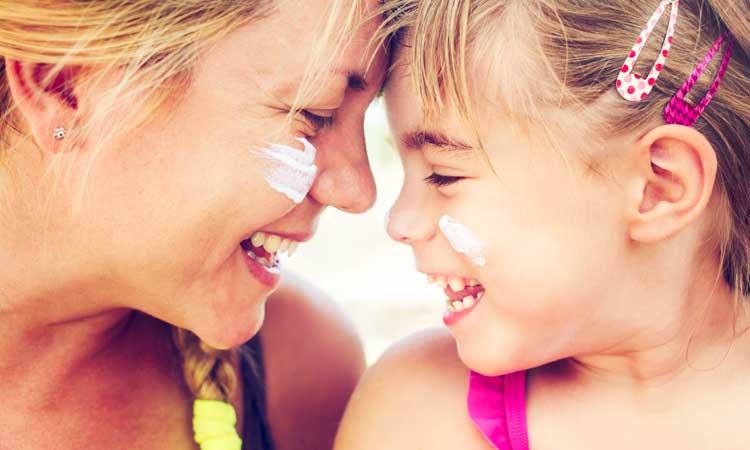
[672,180]
[45,99]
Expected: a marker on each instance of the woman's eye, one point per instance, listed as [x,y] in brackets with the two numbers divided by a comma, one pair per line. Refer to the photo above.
[441,180]
[318,122]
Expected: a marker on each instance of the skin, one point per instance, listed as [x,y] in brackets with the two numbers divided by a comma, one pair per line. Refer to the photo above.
[306,406]
[87,286]
[607,286]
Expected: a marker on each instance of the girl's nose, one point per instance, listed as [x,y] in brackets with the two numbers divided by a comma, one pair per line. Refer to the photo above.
[409,221]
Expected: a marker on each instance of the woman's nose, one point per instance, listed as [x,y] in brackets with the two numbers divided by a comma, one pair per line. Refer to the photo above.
[344,178]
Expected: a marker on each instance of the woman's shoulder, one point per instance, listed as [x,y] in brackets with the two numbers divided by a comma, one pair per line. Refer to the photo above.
[413,397]
[313,359]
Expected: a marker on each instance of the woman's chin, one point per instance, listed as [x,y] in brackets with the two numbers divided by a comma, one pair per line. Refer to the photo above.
[225,331]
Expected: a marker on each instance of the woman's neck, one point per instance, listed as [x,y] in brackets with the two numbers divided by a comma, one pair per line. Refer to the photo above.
[37,359]
[105,381]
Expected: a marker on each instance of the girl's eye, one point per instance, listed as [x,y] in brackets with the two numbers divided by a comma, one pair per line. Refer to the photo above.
[318,122]
[441,180]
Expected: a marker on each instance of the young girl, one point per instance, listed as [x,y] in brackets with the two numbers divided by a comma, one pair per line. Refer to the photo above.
[577,180]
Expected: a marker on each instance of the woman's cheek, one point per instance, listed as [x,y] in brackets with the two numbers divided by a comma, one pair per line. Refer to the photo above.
[290,171]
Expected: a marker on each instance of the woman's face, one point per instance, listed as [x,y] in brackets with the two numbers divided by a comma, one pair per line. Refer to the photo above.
[168,208]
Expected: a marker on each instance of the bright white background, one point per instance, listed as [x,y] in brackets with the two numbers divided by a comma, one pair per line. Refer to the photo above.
[353,260]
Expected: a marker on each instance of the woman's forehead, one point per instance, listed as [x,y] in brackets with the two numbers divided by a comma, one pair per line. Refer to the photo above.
[278,52]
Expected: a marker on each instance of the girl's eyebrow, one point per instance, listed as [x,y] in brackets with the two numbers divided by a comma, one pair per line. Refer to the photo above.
[419,139]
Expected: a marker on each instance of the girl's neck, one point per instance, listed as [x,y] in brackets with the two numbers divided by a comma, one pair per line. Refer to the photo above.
[706,333]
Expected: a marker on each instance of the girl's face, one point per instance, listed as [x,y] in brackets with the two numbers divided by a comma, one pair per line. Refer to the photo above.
[170,209]
[550,237]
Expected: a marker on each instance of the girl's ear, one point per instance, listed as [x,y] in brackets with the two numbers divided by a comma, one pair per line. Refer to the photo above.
[46,99]
[671,182]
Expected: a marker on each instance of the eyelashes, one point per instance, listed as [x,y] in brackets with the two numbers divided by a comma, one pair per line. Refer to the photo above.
[318,122]
[441,180]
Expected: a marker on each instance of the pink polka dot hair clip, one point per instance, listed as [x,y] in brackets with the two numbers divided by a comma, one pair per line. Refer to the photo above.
[634,87]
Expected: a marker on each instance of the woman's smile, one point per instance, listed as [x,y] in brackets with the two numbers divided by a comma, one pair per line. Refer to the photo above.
[263,255]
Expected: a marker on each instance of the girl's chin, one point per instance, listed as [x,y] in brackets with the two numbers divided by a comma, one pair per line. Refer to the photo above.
[487,361]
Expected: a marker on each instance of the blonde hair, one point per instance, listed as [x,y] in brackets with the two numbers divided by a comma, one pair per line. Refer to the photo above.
[154,45]
[532,55]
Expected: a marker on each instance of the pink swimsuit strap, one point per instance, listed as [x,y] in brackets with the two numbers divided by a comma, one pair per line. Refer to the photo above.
[497,406]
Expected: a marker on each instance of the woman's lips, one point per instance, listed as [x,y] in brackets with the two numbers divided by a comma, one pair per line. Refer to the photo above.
[262,252]
[264,275]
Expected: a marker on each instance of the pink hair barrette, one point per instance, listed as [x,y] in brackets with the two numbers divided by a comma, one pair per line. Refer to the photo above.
[634,87]
[678,111]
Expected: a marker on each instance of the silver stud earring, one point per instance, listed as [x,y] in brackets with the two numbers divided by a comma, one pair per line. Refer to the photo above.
[59,133]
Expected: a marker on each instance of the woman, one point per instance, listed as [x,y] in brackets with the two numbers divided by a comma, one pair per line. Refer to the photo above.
[142,214]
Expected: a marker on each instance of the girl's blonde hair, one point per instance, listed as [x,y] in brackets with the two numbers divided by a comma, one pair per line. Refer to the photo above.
[530,56]
[153,45]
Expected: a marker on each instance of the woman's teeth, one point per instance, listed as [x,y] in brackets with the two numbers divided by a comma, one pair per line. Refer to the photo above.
[273,244]
[264,248]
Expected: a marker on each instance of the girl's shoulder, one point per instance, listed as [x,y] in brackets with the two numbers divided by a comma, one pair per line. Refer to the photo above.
[415,396]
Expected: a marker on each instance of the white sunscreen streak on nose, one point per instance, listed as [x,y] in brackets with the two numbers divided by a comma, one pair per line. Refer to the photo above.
[463,240]
[293,171]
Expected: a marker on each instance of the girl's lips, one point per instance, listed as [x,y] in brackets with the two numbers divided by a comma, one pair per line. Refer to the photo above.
[451,318]
[261,273]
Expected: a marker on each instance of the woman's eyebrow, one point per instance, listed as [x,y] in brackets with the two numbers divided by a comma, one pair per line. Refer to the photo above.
[355,79]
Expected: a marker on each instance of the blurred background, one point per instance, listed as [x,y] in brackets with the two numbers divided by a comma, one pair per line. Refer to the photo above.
[353,260]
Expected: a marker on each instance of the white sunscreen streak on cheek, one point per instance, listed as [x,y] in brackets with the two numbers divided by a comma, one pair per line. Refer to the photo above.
[463,240]
[293,171]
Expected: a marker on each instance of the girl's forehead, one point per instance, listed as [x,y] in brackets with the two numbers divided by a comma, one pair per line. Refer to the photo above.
[413,128]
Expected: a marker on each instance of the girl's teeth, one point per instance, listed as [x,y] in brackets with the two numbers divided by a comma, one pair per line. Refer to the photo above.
[440,282]
[431,279]
[272,243]
[285,245]
[457,284]
[464,304]
[473,283]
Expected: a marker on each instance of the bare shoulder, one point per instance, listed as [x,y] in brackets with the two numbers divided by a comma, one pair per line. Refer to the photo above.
[414,397]
[313,359]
